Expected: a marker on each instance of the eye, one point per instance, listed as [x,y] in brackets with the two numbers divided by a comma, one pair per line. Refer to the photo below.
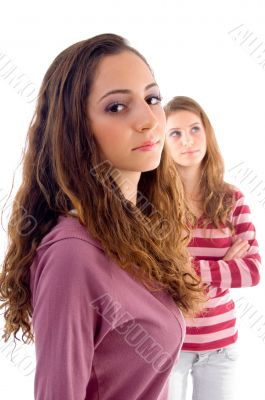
[153,100]
[115,107]
[195,129]
[175,134]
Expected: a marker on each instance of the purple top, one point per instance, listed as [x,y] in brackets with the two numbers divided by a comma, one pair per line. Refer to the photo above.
[99,334]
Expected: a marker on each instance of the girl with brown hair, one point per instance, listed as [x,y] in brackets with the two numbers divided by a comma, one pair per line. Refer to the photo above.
[96,268]
[224,250]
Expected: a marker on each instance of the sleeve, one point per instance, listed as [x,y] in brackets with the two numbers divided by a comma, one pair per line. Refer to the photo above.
[64,323]
[239,272]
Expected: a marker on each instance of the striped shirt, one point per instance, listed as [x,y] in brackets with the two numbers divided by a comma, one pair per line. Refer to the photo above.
[215,327]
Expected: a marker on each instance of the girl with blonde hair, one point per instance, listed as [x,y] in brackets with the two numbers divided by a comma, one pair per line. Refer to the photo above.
[224,251]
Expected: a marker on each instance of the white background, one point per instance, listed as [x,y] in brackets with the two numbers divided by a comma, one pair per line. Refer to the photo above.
[192,53]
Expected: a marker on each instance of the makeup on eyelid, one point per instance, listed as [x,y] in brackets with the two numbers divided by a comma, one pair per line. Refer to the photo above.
[120,102]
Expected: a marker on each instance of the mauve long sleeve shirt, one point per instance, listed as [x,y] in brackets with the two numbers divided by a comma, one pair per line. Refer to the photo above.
[99,333]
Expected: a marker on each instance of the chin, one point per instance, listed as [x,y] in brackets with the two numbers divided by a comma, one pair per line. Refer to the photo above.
[150,166]
[141,166]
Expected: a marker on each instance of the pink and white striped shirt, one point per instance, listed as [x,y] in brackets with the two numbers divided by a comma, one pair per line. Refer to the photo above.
[215,327]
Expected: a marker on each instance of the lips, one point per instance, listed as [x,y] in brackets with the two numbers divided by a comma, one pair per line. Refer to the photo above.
[147,145]
[190,152]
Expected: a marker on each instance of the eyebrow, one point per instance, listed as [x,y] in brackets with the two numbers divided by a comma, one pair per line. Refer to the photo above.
[194,123]
[125,91]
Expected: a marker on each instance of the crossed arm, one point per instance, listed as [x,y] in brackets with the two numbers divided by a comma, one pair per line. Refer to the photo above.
[240,265]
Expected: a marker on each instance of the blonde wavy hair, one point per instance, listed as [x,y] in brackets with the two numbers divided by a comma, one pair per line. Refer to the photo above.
[217,195]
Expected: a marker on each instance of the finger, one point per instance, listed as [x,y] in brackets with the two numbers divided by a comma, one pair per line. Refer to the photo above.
[239,255]
[229,256]
[240,245]
[240,240]
[244,247]
[237,251]
[242,253]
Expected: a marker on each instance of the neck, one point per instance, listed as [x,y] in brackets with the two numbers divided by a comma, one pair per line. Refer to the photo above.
[190,177]
[128,183]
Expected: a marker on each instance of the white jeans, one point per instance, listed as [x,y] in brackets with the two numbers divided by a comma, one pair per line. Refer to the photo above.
[213,374]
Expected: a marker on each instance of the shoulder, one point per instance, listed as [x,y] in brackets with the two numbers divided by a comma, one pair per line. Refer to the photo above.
[234,191]
[69,272]
[69,229]
[237,195]
[240,203]
[69,251]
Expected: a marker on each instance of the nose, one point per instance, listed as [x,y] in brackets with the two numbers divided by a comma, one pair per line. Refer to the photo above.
[145,119]
[186,139]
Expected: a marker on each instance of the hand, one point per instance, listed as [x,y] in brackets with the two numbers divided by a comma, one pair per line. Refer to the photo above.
[238,249]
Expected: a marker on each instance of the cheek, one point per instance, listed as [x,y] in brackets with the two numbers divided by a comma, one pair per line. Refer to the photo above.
[173,142]
[173,146]
[200,139]
[106,133]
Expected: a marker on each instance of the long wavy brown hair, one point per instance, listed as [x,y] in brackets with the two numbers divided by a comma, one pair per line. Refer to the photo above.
[217,195]
[62,170]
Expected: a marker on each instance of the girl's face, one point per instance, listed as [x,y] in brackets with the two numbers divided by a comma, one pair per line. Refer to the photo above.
[186,138]
[126,117]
